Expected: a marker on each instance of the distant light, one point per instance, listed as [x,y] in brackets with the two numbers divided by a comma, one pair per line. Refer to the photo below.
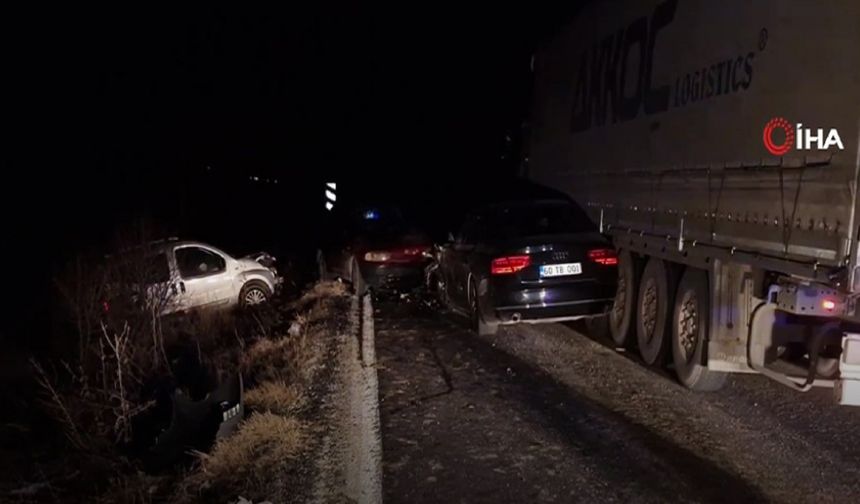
[328,205]
[332,186]
[330,196]
[276,181]
[828,304]
[371,215]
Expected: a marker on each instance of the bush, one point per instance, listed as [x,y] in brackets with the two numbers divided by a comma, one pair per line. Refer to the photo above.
[253,463]
[275,397]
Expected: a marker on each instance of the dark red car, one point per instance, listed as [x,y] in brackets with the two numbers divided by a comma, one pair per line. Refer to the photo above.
[374,247]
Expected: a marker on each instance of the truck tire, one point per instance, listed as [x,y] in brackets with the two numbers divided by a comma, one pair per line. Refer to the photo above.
[653,310]
[690,325]
[622,316]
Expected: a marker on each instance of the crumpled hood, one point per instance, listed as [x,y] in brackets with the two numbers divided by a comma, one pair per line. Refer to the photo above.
[250,264]
[263,258]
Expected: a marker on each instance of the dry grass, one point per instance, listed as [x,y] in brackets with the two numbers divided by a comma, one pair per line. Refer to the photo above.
[275,397]
[270,360]
[253,463]
[321,290]
[288,358]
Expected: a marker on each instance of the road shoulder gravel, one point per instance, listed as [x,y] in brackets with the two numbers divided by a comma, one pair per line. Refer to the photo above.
[545,414]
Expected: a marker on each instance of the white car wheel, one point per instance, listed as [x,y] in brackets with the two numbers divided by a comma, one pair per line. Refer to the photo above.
[254,294]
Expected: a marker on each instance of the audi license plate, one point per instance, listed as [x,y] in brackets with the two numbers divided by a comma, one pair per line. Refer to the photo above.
[555,270]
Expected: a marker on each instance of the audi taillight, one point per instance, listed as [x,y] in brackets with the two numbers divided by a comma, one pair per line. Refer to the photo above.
[603,256]
[509,264]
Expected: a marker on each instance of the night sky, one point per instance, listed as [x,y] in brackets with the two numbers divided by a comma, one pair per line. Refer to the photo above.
[116,114]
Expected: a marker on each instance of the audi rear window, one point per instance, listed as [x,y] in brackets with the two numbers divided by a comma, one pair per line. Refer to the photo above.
[378,221]
[538,220]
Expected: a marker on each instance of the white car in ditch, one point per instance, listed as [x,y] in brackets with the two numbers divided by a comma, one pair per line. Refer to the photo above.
[188,275]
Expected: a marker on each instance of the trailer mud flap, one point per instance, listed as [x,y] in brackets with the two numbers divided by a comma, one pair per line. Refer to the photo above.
[847,389]
[732,300]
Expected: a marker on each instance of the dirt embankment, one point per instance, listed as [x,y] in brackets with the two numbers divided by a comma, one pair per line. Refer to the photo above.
[272,455]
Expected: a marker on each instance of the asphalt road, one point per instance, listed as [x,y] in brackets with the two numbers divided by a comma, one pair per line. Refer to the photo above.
[546,414]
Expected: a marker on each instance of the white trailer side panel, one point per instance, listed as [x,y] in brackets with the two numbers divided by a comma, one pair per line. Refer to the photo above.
[654,111]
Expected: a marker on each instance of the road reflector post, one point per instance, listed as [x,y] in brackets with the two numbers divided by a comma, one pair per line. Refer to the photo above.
[330,195]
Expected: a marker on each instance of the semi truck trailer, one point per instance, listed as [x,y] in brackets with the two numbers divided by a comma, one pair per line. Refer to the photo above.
[716,143]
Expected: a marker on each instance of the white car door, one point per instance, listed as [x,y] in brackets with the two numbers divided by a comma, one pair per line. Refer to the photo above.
[204,278]
[159,280]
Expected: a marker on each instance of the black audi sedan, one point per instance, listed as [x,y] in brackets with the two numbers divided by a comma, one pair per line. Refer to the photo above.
[526,261]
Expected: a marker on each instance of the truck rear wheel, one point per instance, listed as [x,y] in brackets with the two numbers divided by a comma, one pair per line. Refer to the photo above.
[653,309]
[622,315]
[690,321]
